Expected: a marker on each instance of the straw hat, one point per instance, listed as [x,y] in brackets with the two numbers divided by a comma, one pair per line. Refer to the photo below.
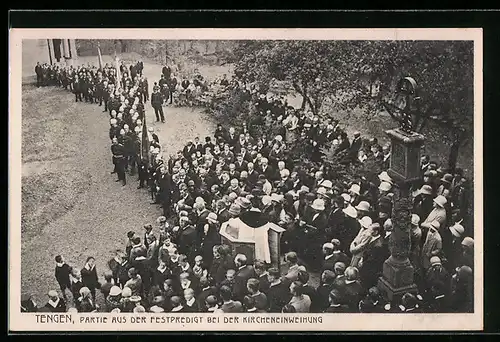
[115,291]
[321,191]
[384,177]
[318,204]
[468,242]
[457,230]
[346,197]
[385,186]
[435,260]
[355,189]
[326,184]
[365,222]
[363,206]
[425,189]
[350,211]
[440,200]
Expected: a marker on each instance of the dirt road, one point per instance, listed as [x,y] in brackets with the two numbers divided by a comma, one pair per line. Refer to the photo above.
[71,203]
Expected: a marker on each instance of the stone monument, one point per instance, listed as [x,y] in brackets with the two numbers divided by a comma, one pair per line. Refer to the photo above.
[398,273]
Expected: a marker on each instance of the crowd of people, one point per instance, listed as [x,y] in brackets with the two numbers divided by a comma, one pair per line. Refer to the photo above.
[339,232]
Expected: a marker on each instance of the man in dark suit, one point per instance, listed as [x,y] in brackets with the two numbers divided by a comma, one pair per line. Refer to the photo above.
[265,169]
[165,192]
[278,294]
[355,146]
[186,238]
[205,290]
[350,289]
[323,290]
[373,258]
[253,175]
[330,258]
[156,103]
[243,273]
[262,275]
[241,164]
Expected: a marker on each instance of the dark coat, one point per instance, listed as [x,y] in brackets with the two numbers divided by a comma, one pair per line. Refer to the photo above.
[62,275]
[241,277]
[278,296]
[90,279]
[373,260]
[186,241]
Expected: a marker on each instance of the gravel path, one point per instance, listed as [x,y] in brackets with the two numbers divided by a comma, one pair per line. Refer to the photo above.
[98,221]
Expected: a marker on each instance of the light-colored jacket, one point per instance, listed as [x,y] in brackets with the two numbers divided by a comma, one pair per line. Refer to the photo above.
[432,246]
[437,214]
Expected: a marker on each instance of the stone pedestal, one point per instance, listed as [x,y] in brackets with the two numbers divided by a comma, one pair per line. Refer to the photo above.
[398,272]
[397,278]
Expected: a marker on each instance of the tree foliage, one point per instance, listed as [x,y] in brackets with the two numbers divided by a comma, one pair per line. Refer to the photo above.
[365,74]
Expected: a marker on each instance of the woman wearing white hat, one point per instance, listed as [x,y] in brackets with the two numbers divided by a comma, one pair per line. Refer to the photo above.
[433,244]
[354,192]
[438,213]
[359,243]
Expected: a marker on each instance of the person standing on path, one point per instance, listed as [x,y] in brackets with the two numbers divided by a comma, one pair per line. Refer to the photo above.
[62,273]
[157,102]
[118,159]
[89,276]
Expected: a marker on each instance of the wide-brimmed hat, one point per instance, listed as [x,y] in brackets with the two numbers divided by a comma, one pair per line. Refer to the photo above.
[355,188]
[326,184]
[425,189]
[52,293]
[385,186]
[435,260]
[350,211]
[346,197]
[212,217]
[321,191]
[457,230]
[245,202]
[318,204]
[115,291]
[468,242]
[363,206]
[365,222]
[440,200]
[384,177]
